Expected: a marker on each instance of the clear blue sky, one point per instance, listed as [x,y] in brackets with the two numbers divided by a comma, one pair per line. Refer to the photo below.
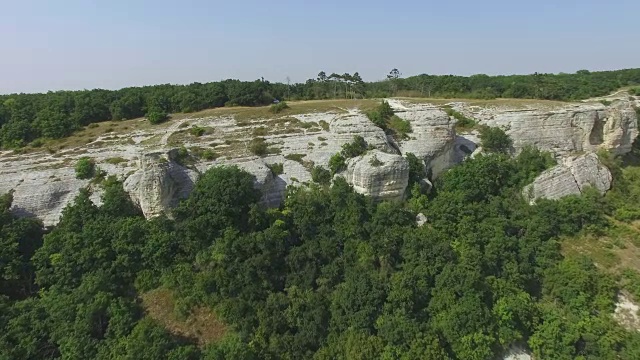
[76,44]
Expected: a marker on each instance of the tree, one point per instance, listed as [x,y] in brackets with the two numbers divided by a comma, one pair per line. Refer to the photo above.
[393,77]
[494,139]
[157,116]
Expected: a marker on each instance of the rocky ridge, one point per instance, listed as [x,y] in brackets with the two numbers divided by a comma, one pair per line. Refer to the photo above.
[157,178]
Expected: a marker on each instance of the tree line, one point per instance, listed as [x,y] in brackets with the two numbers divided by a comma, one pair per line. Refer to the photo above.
[26,117]
[329,275]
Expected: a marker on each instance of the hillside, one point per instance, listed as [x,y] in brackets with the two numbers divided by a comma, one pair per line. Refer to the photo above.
[393,228]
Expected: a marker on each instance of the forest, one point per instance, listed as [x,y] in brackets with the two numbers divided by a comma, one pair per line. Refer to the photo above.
[328,275]
[25,118]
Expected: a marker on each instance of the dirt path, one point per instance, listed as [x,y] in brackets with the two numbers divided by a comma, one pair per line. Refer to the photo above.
[171,130]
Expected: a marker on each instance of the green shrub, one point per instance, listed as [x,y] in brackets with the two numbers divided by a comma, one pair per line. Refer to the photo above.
[258,147]
[276,168]
[377,119]
[92,125]
[320,175]
[197,131]
[385,110]
[324,125]
[355,148]
[279,107]
[157,116]
[260,131]
[37,143]
[85,168]
[375,162]
[183,156]
[337,163]
[605,102]
[209,155]
[399,126]
[494,139]
[295,157]
[462,122]
[115,160]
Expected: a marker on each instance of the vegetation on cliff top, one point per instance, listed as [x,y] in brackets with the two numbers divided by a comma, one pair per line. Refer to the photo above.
[27,117]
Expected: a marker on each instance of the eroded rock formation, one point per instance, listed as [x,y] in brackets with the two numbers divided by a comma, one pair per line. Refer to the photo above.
[44,183]
[378,174]
[573,176]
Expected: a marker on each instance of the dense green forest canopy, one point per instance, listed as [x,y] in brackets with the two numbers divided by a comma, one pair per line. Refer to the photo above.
[329,275]
[26,117]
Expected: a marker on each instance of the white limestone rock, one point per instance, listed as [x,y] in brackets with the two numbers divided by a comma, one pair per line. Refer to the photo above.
[272,187]
[380,175]
[574,128]
[433,138]
[159,184]
[421,219]
[571,177]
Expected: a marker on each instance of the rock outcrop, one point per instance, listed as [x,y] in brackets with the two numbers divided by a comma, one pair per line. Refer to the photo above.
[571,177]
[378,174]
[44,183]
[271,186]
[570,129]
[432,139]
[159,184]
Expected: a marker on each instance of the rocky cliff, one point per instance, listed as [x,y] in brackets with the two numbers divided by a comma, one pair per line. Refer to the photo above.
[567,129]
[44,181]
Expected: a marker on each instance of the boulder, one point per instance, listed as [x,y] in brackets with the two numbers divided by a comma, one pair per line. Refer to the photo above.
[421,219]
[378,174]
[571,177]
[159,183]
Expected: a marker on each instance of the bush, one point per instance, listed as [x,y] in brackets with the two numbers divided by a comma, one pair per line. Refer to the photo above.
[260,131]
[209,155]
[337,163]
[279,107]
[276,168]
[605,102]
[385,110]
[115,160]
[258,147]
[295,157]
[377,119]
[182,156]
[85,168]
[157,117]
[324,125]
[399,126]
[37,143]
[494,139]
[375,162]
[321,175]
[381,115]
[355,148]
[462,122]
[197,131]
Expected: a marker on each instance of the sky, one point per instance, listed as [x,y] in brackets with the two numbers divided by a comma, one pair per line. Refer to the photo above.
[84,44]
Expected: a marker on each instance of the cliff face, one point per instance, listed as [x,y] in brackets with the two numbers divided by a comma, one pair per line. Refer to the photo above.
[573,128]
[44,183]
